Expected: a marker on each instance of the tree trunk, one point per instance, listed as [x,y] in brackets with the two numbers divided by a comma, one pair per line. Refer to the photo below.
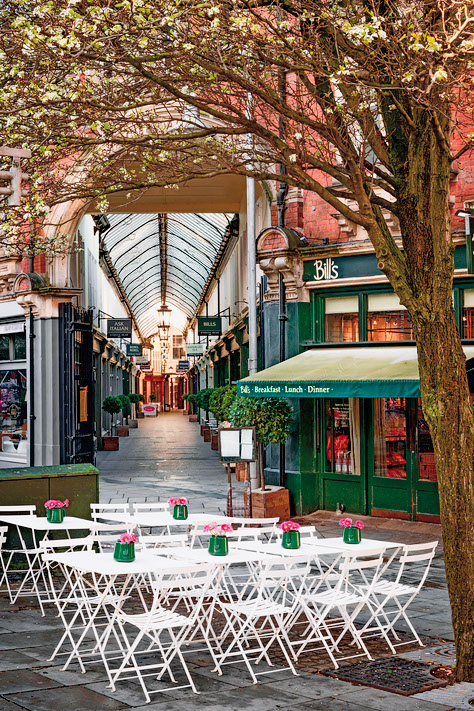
[425,224]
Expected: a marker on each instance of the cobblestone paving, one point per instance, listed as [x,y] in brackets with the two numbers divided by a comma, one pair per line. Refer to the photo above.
[165,456]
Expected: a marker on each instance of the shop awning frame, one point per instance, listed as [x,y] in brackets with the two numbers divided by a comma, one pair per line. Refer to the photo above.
[364,372]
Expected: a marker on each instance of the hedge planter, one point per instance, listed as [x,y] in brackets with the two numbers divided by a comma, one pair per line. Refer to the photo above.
[123,431]
[218,545]
[207,433]
[274,501]
[193,418]
[215,441]
[124,552]
[110,444]
[241,471]
[140,415]
[55,515]
[133,424]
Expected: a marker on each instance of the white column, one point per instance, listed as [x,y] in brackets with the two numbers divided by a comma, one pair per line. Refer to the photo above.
[252,298]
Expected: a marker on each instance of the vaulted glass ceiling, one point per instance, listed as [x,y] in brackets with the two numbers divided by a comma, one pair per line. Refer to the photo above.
[164,258]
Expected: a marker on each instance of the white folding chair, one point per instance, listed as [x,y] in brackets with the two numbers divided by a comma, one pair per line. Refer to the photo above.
[254,624]
[306,532]
[155,507]
[346,598]
[77,599]
[164,541]
[143,633]
[31,554]
[3,569]
[99,512]
[391,598]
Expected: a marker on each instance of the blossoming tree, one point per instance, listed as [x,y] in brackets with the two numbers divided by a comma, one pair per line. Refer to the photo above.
[360,102]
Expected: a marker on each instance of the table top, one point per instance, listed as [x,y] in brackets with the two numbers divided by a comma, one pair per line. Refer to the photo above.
[366,544]
[276,549]
[41,523]
[105,563]
[235,556]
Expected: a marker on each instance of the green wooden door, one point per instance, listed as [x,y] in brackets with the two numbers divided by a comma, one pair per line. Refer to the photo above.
[401,477]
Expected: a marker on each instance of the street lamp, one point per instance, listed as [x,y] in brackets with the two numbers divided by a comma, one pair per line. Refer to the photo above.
[164,315]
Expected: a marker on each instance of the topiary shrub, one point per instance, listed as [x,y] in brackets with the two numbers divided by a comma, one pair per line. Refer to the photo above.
[152,397]
[125,400]
[220,401]
[134,398]
[141,398]
[271,417]
[112,405]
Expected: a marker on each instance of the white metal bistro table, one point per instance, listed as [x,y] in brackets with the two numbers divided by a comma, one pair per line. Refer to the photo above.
[40,529]
[366,544]
[107,577]
[276,549]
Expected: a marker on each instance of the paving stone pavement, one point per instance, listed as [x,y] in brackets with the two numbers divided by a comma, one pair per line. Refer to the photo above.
[165,456]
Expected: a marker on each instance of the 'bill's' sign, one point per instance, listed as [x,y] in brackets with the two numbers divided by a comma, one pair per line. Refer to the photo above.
[325,269]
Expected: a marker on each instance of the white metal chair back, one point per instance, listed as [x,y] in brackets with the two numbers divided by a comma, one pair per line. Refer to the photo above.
[247,533]
[256,521]
[100,511]
[22,510]
[305,532]
[410,559]
[164,541]
[155,507]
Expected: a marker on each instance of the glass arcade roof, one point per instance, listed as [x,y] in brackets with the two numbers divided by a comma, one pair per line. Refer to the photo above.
[164,259]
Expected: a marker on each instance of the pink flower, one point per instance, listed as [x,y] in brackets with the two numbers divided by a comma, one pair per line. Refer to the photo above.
[128,538]
[173,501]
[286,526]
[66,502]
[346,522]
[183,501]
[226,528]
[359,524]
[56,504]
[342,521]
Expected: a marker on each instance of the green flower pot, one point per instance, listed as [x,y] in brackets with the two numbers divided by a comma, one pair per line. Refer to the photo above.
[124,552]
[352,534]
[180,512]
[291,540]
[55,515]
[218,545]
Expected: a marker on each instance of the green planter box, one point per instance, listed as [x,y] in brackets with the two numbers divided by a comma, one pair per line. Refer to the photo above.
[35,485]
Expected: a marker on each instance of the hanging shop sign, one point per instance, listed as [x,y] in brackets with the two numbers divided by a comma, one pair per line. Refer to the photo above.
[145,365]
[209,325]
[119,328]
[183,365]
[331,269]
[134,349]
[194,349]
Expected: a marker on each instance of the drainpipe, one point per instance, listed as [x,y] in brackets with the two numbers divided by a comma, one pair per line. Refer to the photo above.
[283,318]
[31,387]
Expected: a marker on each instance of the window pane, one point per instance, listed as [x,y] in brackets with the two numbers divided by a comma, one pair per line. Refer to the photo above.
[426,464]
[389,326]
[341,328]
[390,437]
[4,347]
[13,413]
[342,436]
[20,346]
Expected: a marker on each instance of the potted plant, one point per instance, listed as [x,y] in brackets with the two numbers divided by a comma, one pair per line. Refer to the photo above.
[56,510]
[180,507]
[291,538]
[272,418]
[191,398]
[152,397]
[124,550]
[352,532]
[122,430]
[112,405]
[218,542]
[134,399]
[141,400]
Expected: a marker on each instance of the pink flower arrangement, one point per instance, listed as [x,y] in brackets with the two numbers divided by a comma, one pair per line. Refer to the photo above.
[346,522]
[217,529]
[56,504]
[289,526]
[128,538]
[174,501]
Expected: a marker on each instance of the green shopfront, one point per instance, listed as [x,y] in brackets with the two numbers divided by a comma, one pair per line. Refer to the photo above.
[360,439]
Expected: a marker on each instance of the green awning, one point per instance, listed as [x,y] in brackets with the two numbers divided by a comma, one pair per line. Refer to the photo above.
[341,372]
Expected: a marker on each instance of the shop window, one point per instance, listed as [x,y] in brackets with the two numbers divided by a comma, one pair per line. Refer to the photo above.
[341,319]
[19,346]
[468,313]
[4,347]
[342,426]
[13,347]
[390,437]
[387,319]
[13,414]
[426,463]
[179,350]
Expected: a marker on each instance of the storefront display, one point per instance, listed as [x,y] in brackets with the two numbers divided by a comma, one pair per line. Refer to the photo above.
[13,415]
